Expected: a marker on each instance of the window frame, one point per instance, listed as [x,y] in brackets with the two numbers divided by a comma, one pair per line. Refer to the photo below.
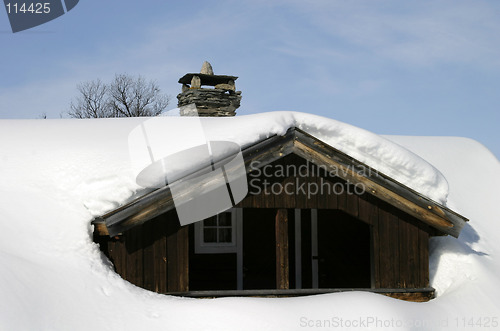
[202,247]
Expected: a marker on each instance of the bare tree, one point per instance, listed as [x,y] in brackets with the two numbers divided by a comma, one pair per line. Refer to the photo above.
[126,96]
[136,97]
[92,101]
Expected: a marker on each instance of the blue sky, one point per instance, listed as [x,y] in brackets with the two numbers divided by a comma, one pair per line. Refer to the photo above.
[392,67]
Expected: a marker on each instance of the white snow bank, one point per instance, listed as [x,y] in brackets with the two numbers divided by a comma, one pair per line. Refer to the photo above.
[57,174]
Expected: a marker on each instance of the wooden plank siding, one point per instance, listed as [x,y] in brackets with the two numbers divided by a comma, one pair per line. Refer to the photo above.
[402,250]
[148,254]
[405,272]
[134,257]
[114,249]
[423,245]
[155,255]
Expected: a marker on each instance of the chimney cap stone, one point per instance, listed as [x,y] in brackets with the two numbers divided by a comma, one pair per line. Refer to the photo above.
[207,77]
[209,80]
[206,68]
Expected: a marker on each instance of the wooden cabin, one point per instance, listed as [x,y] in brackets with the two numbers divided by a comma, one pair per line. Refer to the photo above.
[315,220]
[285,240]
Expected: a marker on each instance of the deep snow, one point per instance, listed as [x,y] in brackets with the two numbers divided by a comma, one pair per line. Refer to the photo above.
[57,175]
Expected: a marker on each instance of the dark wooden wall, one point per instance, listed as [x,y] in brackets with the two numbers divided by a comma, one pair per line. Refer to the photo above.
[155,255]
[401,250]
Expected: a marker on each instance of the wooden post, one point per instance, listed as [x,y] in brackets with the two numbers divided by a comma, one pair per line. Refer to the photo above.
[160,255]
[183,253]
[177,257]
[282,263]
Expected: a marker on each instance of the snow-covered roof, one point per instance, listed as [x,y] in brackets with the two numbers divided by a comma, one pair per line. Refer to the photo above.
[263,152]
[57,175]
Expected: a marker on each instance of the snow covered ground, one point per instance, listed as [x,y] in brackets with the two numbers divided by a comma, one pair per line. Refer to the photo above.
[57,175]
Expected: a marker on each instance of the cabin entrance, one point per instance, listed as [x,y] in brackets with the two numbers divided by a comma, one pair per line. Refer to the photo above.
[237,250]
[332,250]
[343,250]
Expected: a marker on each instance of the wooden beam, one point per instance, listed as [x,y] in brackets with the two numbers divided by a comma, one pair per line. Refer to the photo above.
[282,262]
[378,184]
[411,294]
[100,229]
[160,200]
[183,251]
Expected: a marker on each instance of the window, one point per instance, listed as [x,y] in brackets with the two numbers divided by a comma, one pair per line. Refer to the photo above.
[216,234]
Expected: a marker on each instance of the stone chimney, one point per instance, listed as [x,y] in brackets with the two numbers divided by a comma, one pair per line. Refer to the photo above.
[220,99]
